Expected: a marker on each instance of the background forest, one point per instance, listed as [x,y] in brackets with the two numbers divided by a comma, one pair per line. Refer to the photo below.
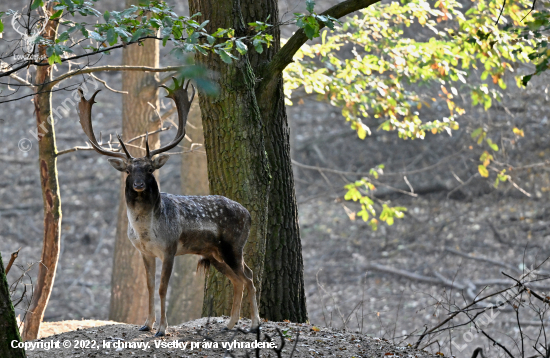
[452,213]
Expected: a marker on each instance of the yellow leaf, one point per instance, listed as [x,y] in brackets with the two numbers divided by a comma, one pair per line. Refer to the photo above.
[518,132]
[434,130]
[483,171]
[314,328]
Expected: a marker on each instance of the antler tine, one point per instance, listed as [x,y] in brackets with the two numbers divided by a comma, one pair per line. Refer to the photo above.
[181,99]
[123,146]
[85,115]
[147,153]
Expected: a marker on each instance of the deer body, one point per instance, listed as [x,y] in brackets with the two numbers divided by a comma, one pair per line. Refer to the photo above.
[164,225]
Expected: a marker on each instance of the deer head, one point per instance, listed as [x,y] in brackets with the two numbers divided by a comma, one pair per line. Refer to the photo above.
[140,170]
[31,33]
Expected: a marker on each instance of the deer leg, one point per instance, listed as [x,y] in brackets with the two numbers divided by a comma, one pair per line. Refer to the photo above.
[238,288]
[149,262]
[167,265]
[248,275]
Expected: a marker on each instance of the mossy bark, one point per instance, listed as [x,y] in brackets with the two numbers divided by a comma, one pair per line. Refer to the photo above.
[47,160]
[8,324]
[274,242]
[129,298]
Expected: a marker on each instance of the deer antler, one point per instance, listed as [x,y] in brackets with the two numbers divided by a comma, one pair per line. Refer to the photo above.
[85,114]
[183,104]
[26,38]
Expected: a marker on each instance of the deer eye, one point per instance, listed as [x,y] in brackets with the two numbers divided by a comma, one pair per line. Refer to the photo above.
[127,171]
[151,171]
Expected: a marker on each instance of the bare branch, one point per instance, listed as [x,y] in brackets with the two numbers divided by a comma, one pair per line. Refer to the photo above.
[112,68]
[74,149]
[12,259]
[106,85]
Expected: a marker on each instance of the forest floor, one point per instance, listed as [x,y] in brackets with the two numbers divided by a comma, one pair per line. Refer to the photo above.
[208,338]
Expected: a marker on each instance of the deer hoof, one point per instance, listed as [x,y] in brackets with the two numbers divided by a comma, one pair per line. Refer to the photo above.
[159,334]
[145,328]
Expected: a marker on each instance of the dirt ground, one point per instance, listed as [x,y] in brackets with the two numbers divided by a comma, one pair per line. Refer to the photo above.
[300,340]
[457,225]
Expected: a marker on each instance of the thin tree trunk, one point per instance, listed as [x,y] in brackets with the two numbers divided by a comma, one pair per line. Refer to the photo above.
[187,286]
[283,296]
[8,324]
[50,193]
[129,298]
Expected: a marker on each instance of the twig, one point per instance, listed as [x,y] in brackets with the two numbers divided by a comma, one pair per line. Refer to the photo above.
[74,149]
[535,294]
[12,259]
[106,85]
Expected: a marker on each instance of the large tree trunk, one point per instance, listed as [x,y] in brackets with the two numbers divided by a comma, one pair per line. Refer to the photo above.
[283,296]
[282,290]
[50,192]
[237,162]
[187,285]
[8,324]
[129,298]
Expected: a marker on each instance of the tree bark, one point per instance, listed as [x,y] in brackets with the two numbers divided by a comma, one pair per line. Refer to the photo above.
[187,286]
[47,160]
[237,162]
[129,298]
[282,290]
[8,324]
[283,296]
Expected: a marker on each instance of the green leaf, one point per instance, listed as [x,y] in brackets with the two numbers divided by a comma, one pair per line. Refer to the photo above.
[54,58]
[111,36]
[492,145]
[241,47]
[106,16]
[94,35]
[310,31]
[56,15]
[137,35]
[310,4]
[224,56]
[36,4]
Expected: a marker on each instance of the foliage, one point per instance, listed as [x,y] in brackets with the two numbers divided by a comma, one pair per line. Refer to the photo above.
[373,67]
[150,19]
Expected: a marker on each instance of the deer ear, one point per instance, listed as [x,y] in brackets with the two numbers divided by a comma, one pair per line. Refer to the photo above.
[118,164]
[159,161]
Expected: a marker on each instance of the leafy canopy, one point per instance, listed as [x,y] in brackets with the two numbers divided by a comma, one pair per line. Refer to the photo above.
[386,77]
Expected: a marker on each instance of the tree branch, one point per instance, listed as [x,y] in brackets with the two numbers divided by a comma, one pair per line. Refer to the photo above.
[285,54]
[20,80]
[111,68]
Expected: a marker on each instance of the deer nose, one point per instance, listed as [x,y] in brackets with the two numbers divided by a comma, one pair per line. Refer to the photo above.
[139,186]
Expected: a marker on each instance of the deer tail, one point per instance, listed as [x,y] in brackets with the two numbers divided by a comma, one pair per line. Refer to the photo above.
[203,265]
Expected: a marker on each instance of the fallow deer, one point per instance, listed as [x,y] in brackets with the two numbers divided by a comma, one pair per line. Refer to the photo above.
[164,225]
